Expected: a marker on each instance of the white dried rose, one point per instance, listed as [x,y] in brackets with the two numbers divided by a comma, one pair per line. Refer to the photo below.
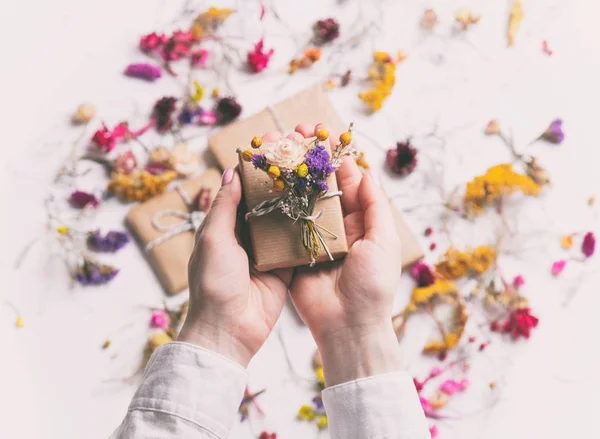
[286,153]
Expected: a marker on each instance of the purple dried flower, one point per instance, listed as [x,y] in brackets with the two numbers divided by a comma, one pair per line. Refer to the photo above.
[402,160]
[227,109]
[81,199]
[588,246]
[145,71]
[186,116]
[319,163]
[554,132]
[318,403]
[259,161]
[111,242]
[301,184]
[93,273]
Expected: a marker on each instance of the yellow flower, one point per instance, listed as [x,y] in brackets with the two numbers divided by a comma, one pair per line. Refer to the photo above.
[320,376]
[215,92]
[247,155]
[106,344]
[322,134]
[566,241]
[361,161]
[306,413]
[346,138]
[322,422]
[302,170]
[198,92]
[256,142]
[274,171]
[19,323]
[278,185]
[381,57]
[63,230]
[482,258]
[454,265]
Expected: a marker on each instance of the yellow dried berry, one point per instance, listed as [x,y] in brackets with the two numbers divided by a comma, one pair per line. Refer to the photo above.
[215,93]
[346,138]
[566,241]
[322,422]
[278,185]
[19,323]
[247,155]
[274,171]
[322,134]
[84,113]
[256,142]
[63,230]
[302,170]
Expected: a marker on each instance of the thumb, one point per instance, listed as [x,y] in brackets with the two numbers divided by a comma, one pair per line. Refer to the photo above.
[220,219]
[378,219]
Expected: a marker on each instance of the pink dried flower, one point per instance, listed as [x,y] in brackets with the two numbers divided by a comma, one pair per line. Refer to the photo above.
[199,57]
[554,133]
[207,117]
[152,41]
[402,160]
[436,371]
[433,431]
[519,323]
[81,199]
[558,267]
[422,274]
[145,71]
[588,246]
[518,281]
[259,59]
[125,163]
[106,139]
[159,319]
[451,386]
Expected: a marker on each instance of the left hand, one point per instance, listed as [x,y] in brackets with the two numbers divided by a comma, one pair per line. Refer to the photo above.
[233,308]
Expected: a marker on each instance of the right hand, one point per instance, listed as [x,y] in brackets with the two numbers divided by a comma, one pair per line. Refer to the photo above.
[347,304]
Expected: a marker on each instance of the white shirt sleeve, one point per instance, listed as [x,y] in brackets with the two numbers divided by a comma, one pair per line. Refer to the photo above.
[378,407]
[186,391]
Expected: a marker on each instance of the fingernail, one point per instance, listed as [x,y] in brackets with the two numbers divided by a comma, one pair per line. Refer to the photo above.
[227,176]
[375,178]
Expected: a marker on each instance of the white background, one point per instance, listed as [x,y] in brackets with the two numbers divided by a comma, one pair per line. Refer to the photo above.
[56,382]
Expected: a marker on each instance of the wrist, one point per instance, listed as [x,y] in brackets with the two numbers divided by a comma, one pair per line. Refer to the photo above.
[214,339]
[359,352]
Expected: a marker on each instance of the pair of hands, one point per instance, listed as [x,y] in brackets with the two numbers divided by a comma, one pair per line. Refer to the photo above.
[347,305]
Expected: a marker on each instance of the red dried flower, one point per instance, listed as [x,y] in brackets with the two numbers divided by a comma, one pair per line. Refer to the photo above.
[403,159]
[199,57]
[178,46]
[265,435]
[81,199]
[162,112]
[428,231]
[227,109]
[588,246]
[152,41]
[519,323]
[257,58]
[104,139]
[432,246]
[422,274]
[325,31]
[125,163]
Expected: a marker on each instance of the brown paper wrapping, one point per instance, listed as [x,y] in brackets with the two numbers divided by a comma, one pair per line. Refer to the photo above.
[309,106]
[170,258]
[276,238]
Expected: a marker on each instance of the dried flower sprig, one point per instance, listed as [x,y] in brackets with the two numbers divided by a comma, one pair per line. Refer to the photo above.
[111,242]
[300,170]
[514,21]
[382,75]
[139,185]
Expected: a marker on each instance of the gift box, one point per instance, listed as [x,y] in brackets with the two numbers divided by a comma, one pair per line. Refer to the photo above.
[165,226]
[309,106]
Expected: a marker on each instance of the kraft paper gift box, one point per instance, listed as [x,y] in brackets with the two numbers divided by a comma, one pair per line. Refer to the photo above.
[169,256]
[275,240]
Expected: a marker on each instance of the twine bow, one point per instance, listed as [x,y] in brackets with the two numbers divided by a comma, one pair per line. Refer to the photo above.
[189,221]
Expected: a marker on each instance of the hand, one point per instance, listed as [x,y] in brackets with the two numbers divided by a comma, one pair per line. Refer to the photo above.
[347,305]
[232,308]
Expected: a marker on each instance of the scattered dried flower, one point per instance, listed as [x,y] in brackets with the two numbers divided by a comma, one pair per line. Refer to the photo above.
[554,132]
[566,242]
[382,75]
[258,59]
[207,22]
[429,19]
[538,174]
[265,435]
[19,322]
[159,319]
[111,242]
[325,31]
[433,431]
[125,163]
[558,267]
[588,246]
[465,18]
[452,386]
[310,56]
[546,48]
[84,113]
[94,273]
[145,71]
[514,21]
[432,246]
[361,161]
[492,128]
[152,41]
[422,274]
[402,160]
[106,344]
[81,199]
[199,57]
[162,113]
[227,110]
[139,185]
[428,231]
[518,281]
[519,323]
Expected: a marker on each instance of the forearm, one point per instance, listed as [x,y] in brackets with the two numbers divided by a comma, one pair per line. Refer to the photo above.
[368,395]
[186,391]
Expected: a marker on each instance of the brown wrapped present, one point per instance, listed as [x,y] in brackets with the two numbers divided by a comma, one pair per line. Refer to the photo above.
[165,227]
[309,106]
